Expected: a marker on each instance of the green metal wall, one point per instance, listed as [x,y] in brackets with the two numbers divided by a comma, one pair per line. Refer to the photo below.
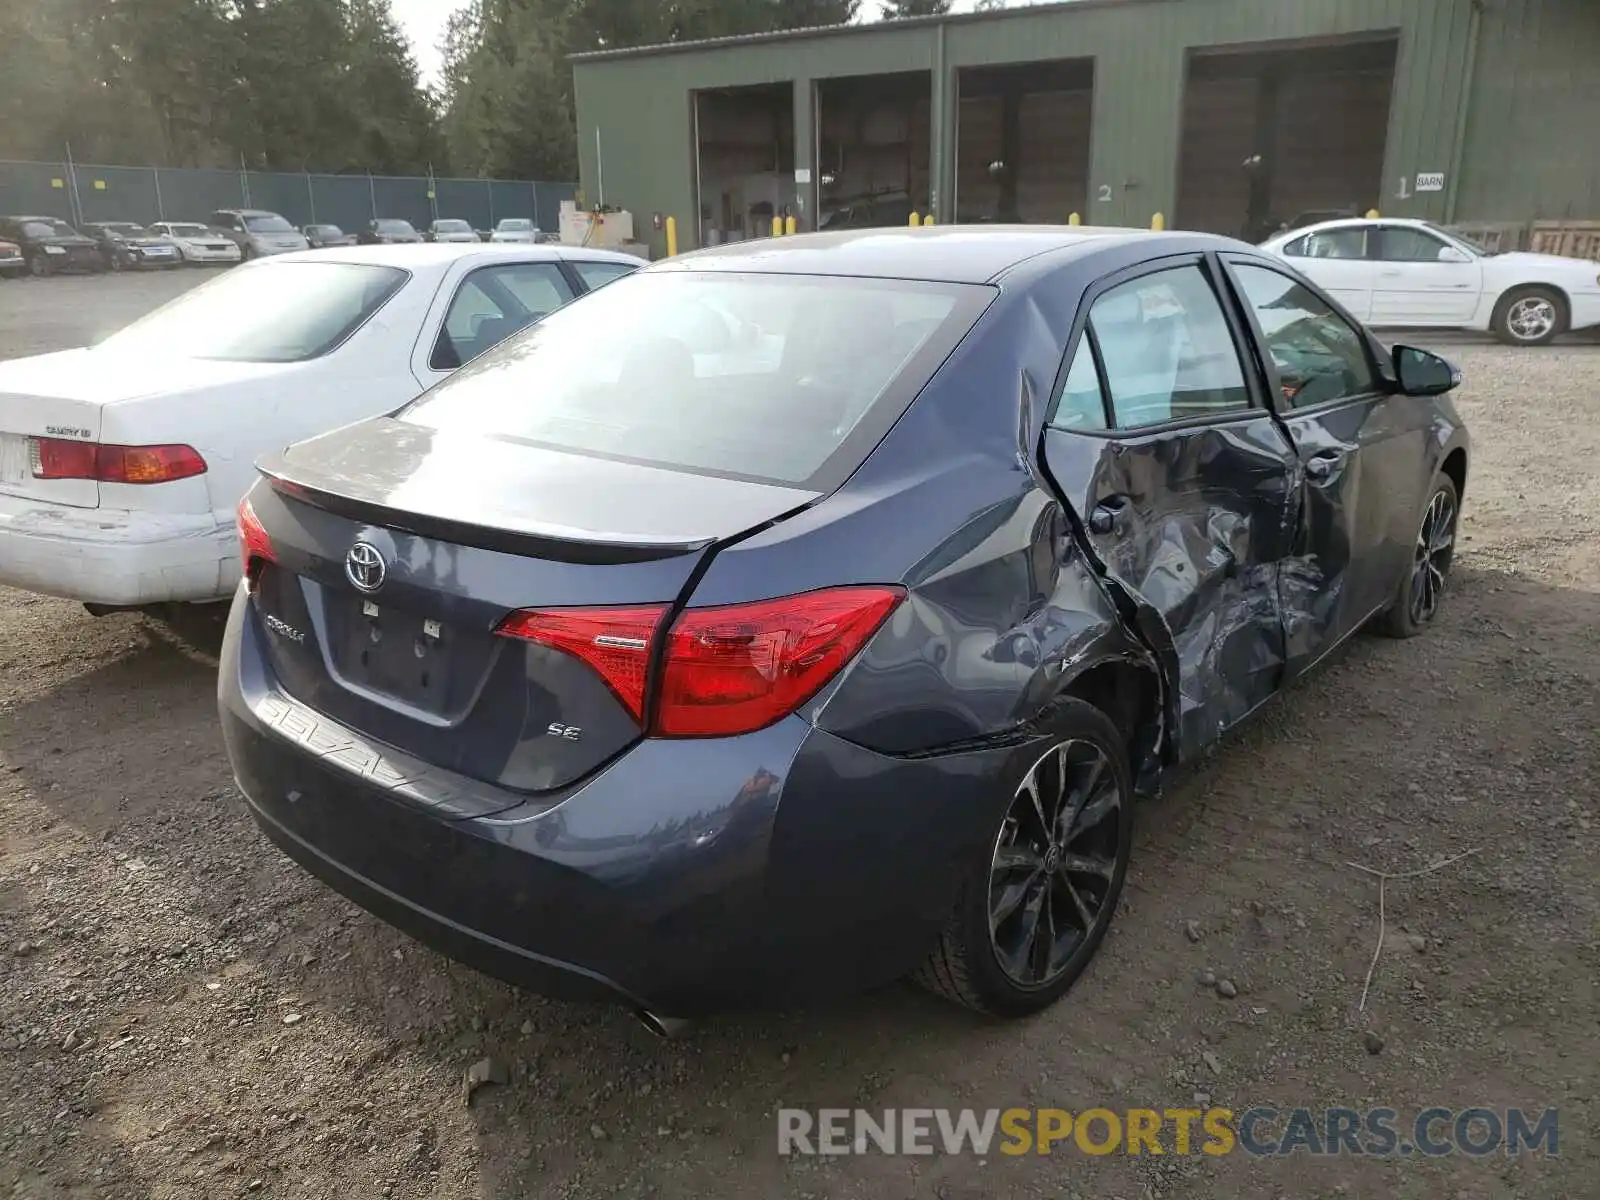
[1532,146]
[1523,57]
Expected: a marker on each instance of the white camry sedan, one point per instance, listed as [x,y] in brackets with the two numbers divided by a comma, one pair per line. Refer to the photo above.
[199,243]
[121,464]
[1393,273]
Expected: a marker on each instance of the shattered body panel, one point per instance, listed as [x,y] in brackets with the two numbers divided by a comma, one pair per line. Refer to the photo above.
[1223,570]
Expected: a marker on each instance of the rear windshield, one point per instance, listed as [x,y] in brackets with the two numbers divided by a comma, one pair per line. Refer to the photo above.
[514,224]
[786,379]
[272,312]
[452,226]
[268,224]
[394,226]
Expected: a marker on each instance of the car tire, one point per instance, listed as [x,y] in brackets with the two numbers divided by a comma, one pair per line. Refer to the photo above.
[1421,590]
[987,964]
[1530,316]
[40,266]
[115,263]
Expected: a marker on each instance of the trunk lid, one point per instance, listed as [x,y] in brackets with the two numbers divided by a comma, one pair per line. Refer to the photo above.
[64,395]
[468,530]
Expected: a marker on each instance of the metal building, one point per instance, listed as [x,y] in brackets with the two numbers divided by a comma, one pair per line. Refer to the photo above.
[1224,115]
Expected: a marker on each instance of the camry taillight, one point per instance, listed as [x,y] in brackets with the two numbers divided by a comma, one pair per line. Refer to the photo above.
[255,546]
[59,458]
[726,670]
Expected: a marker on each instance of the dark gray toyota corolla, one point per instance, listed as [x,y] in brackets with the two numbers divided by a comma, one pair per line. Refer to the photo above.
[791,617]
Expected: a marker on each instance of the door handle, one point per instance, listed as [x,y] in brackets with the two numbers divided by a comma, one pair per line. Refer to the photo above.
[1107,514]
[1320,467]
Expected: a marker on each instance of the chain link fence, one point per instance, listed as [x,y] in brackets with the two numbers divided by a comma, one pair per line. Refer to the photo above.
[78,192]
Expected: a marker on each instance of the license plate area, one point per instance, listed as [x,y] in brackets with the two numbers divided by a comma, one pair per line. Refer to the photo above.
[416,659]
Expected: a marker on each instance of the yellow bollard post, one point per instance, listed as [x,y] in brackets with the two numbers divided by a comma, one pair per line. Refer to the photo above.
[915,220]
[672,237]
[1074,219]
[788,226]
[1372,214]
[777,225]
[928,220]
[1158,222]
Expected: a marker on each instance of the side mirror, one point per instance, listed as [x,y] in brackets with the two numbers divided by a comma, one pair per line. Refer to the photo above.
[1449,254]
[1421,373]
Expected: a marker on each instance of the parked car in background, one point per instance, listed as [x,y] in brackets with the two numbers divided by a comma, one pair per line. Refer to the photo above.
[199,244]
[515,229]
[386,231]
[125,245]
[656,669]
[320,236]
[51,246]
[12,264]
[258,233]
[1394,273]
[121,463]
[869,210]
[448,229]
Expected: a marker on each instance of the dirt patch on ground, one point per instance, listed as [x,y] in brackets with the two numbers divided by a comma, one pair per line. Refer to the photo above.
[185,1014]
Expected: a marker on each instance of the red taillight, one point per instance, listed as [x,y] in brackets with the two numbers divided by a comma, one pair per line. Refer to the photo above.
[740,668]
[727,670]
[254,544]
[614,641]
[58,458]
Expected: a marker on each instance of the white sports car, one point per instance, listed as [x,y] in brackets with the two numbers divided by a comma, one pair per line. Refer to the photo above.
[121,465]
[198,243]
[1393,273]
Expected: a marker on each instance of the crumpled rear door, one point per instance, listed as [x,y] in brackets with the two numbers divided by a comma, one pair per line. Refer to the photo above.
[1191,505]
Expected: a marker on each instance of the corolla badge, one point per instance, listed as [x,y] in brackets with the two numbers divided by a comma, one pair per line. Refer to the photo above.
[364,567]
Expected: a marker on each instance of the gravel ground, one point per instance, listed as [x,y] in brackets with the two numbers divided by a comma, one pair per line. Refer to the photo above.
[185,1014]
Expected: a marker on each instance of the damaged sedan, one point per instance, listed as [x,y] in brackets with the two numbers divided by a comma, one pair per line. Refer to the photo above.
[788,618]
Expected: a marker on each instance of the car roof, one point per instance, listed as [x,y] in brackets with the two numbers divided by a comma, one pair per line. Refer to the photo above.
[939,253]
[437,255]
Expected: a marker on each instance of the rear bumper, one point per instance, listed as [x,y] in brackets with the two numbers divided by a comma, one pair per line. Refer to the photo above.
[112,556]
[781,867]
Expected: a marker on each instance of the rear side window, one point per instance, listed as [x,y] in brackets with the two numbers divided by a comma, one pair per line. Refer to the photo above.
[1167,350]
[781,378]
[1081,404]
[491,304]
[1330,243]
[597,274]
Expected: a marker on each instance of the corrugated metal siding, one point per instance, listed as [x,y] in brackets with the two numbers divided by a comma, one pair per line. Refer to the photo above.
[1536,94]
[1532,149]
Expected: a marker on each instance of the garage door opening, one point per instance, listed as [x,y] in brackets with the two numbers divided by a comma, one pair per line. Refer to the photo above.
[1284,135]
[872,149]
[1022,141]
[744,160]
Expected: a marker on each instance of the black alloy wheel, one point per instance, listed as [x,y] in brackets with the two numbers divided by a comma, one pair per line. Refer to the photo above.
[1422,590]
[1053,863]
[1030,920]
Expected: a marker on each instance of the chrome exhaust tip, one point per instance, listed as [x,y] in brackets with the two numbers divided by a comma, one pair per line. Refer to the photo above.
[662,1027]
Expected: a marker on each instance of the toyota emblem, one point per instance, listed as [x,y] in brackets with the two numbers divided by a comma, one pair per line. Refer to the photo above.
[364,567]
